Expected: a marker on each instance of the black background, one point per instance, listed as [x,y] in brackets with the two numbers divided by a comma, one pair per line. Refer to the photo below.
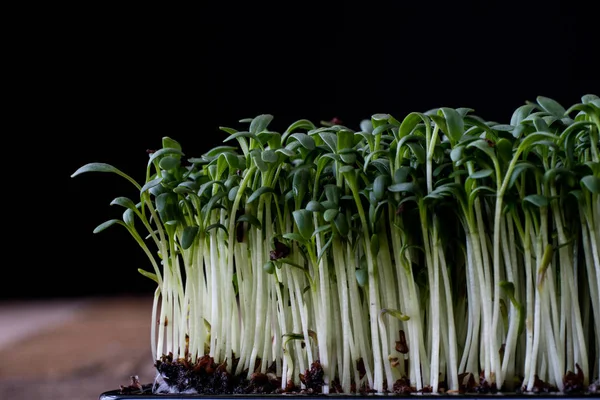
[121,79]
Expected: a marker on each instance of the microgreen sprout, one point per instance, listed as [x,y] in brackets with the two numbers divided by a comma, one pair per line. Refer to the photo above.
[437,249]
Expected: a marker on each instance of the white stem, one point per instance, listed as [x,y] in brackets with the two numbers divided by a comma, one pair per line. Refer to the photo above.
[452,359]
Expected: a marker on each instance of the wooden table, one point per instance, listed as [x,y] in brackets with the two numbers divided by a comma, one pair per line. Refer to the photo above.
[73,349]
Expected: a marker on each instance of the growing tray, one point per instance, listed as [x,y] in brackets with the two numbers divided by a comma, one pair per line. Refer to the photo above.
[148,395]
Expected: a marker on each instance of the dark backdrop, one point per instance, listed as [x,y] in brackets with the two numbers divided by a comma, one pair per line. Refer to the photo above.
[128,77]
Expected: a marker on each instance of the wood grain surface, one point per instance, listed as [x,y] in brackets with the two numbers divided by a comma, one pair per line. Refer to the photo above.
[73,349]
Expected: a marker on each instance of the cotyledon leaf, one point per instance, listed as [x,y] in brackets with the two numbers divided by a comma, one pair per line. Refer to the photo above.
[103,167]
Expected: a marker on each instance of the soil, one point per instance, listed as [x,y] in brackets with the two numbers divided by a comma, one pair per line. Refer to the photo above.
[205,377]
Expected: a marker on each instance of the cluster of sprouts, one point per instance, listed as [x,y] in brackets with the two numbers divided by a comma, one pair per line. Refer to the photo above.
[429,248]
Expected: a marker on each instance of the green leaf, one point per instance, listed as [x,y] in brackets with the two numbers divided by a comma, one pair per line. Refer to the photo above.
[366,126]
[462,111]
[504,150]
[457,153]
[129,217]
[315,206]
[207,185]
[551,106]
[265,137]
[148,275]
[232,159]
[518,170]
[296,237]
[259,192]
[300,124]
[251,219]
[292,336]
[157,190]
[440,168]
[171,143]
[379,187]
[285,151]
[588,98]
[402,174]
[345,139]
[274,140]
[300,184]
[349,174]
[371,154]
[341,224]
[575,127]
[348,158]
[163,152]
[593,166]
[167,163]
[329,205]
[215,151]
[521,113]
[324,249]
[578,194]
[475,192]
[188,236]
[540,125]
[503,128]
[449,189]
[374,245]
[304,222]
[379,119]
[454,123]
[269,267]
[95,167]
[412,138]
[382,166]
[564,174]
[164,205]
[409,187]
[330,214]
[585,108]
[212,203]
[439,121]
[591,183]
[330,140]
[484,173]
[151,184]
[544,264]
[362,277]
[305,140]
[418,151]
[368,137]
[242,134]
[483,145]
[123,202]
[531,139]
[107,224]
[322,229]
[225,129]
[509,289]
[269,156]
[256,157]
[381,128]
[333,156]
[537,200]
[394,313]
[332,193]
[260,123]
[216,226]
[458,172]
[102,167]
[186,187]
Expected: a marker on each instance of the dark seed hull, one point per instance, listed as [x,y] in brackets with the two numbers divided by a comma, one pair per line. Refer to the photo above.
[205,377]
